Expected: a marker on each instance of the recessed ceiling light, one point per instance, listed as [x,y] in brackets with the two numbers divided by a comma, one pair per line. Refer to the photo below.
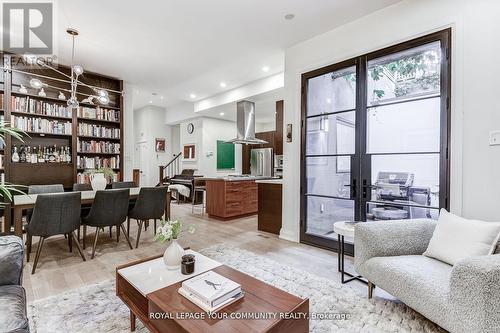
[150,102]
[289,16]
[161,97]
[265,69]
[223,84]
[192,95]
[221,114]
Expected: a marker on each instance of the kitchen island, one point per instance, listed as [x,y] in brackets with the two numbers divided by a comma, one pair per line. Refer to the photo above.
[231,197]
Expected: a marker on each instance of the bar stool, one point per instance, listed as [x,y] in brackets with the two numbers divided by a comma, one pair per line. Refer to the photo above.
[199,187]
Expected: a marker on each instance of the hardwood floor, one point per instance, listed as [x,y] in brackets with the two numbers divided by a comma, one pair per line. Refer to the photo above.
[58,270]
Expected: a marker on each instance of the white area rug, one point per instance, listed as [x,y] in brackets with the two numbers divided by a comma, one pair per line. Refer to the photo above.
[96,308]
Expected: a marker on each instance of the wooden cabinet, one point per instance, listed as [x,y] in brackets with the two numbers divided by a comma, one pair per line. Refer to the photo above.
[231,199]
[270,211]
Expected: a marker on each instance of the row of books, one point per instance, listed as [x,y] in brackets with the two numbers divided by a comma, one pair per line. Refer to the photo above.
[211,291]
[33,106]
[99,113]
[83,178]
[85,162]
[93,146]
[40,125]
[98,131]
[1,161]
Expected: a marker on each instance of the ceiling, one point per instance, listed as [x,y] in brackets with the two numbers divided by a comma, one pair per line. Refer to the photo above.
[265,107]
[176,48]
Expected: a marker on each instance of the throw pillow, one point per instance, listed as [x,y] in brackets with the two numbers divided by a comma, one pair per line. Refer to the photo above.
[457,238]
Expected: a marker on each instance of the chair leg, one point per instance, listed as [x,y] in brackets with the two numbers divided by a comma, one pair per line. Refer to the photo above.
[138,234]
[370,289]
[78,234]
[110,232]
[154,231]
[75,238]
[126,236]
[128,226]
[84,236]
[37,256]
[95,242]
[70,243]
[146,225]
[29,241]
[117,233]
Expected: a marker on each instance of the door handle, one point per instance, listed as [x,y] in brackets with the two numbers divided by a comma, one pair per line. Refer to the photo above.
[353,188]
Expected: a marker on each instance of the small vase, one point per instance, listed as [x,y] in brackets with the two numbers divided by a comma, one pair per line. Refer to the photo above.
[98,182]
[173,255]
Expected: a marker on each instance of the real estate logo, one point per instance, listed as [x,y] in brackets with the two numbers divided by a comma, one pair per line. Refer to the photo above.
[28,27]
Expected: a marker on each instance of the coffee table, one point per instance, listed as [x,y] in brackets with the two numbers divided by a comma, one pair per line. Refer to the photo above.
[150,292]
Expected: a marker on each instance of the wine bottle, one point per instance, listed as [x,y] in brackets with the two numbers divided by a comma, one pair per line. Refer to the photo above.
[15,155]
[22,154]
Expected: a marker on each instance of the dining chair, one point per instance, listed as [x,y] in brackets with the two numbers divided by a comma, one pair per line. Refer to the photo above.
[54,214]
[150,205]
[199,187]
[109,209]
[115,185]
[82,187]
[85,207]
[41,189]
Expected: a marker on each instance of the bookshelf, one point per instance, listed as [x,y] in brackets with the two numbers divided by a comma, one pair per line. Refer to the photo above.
[92,133]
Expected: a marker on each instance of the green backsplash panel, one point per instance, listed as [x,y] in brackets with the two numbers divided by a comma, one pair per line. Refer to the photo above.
[225,155]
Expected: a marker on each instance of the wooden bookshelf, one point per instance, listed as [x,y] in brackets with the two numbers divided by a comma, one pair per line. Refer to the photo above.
[52,173]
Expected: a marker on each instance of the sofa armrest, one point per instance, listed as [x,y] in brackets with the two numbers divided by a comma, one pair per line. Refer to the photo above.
[475,294]
[391,238]
[11,260]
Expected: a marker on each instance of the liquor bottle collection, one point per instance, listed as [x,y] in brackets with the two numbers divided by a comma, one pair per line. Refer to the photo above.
[46,154]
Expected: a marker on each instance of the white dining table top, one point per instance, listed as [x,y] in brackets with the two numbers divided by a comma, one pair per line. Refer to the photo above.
[30,199]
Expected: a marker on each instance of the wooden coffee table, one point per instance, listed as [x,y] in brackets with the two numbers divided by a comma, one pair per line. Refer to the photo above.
[150,292]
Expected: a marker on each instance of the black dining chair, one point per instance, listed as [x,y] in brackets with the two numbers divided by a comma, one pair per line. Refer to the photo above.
[150,205]
[109,209]
[41,189]
[54,214]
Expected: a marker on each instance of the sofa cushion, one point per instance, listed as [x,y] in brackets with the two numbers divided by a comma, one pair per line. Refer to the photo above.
[11,260]
[456,238]
[420,282]
[13,309]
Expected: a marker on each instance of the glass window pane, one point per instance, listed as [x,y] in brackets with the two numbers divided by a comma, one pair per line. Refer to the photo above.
[412,178]
[328,176]
[404,127]
[377,211]
[407,74]
[335,91]
[323,212]
[332,134]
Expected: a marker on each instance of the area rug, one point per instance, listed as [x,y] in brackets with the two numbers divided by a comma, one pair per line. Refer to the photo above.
[96,308]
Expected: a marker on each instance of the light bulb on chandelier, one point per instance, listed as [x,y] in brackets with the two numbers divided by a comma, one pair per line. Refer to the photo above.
[78,70]
[36,84]
[72,103]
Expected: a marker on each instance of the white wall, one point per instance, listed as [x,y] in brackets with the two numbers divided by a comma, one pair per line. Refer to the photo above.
[206,133]
[475,175]
[149,124]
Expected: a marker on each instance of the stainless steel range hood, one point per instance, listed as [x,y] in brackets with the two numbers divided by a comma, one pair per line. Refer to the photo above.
[245,124]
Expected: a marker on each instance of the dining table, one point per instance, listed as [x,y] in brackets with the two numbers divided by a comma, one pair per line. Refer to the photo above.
[22,202]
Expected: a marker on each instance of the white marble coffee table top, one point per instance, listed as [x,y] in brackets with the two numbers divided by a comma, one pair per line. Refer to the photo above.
[153,275]
[344,228]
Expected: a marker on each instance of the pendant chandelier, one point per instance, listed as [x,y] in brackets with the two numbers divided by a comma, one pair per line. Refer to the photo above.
[98,94]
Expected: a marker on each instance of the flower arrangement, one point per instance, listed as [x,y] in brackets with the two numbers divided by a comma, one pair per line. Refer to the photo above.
[108,172]
[169,230]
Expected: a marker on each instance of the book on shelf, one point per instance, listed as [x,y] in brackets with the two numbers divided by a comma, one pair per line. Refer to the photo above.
[83,178]
[98,131]
[34,106]
[102,147]
[211,289]
[86,162]
[41,125]
[98,113]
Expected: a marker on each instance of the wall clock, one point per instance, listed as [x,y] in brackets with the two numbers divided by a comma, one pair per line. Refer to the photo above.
[190,128]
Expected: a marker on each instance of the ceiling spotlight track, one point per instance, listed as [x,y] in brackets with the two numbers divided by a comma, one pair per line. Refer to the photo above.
[99,94]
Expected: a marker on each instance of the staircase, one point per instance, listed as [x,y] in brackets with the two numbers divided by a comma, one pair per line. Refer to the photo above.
[171,169]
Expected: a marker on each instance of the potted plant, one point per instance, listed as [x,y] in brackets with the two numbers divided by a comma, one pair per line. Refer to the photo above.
[6,189]
[99,177]
[170,231]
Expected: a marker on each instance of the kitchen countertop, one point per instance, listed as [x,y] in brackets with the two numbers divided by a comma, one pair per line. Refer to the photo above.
[277,181]
[238,179]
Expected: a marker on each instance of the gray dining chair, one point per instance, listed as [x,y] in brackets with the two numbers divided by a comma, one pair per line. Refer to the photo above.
[40,189]
[150,205]
[81,187]
[109,209]
[116,185]
[54,214]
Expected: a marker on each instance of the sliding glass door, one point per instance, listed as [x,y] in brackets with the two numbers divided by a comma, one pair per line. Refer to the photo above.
[375,138]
